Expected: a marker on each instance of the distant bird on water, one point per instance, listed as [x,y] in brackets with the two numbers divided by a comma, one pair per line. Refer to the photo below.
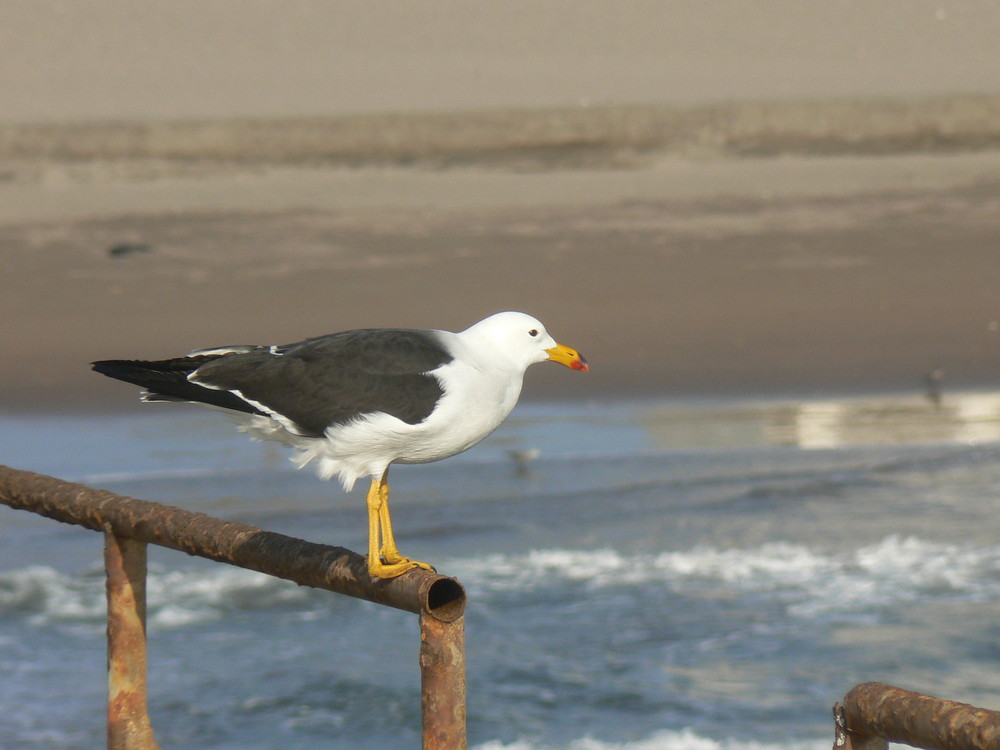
[354,402]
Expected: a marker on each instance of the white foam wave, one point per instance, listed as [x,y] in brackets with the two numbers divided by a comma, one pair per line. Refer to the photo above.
[185,597]
[47,594]
[893,570]
[174,598]
[806,582]
[665,740]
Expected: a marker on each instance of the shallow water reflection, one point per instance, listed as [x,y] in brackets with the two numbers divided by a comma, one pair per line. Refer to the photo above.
[965,418]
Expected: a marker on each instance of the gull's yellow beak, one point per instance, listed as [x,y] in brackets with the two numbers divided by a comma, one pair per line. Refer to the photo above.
[569,357]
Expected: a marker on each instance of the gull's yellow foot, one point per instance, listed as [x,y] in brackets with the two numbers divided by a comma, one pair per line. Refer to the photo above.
[380,569]
[391,556]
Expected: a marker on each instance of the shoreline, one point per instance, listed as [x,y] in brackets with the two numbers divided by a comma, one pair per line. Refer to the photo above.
[88,404]
[673,423]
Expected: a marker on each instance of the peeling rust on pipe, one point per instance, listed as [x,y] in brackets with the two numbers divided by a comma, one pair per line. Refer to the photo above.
[442,682]
[306,563]
[874,712]
[128,720]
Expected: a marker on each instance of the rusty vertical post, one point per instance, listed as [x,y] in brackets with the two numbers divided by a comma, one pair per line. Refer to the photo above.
[128,721]
[442,682]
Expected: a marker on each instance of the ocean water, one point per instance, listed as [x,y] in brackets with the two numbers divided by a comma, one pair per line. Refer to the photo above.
[658,576]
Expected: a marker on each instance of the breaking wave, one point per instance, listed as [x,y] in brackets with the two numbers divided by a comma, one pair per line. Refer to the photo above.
[812,583]
[807,582]
[174,598]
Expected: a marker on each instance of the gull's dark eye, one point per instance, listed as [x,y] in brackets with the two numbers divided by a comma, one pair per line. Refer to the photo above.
[533,332]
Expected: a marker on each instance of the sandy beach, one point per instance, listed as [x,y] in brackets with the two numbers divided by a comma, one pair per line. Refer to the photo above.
[831,231]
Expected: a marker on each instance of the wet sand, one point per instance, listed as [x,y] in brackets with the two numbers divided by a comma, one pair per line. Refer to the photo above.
[723,277]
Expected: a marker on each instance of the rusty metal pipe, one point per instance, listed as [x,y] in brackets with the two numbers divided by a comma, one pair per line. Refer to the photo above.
[306,563]
[442,682]
[873,712]
[128,719]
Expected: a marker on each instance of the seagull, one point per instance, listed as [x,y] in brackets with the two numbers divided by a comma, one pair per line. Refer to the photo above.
[354,402]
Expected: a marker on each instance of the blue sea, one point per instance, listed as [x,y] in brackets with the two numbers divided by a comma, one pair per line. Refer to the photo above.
[642,575]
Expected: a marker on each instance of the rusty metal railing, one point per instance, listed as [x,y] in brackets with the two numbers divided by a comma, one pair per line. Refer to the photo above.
[873,714]
[129,525]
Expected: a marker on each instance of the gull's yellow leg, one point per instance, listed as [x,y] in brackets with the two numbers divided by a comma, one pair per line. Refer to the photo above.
[373,500]
[384,561]
[390,553]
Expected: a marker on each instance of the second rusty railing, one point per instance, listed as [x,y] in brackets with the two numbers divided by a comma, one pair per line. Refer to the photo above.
[129,525]
[873,714]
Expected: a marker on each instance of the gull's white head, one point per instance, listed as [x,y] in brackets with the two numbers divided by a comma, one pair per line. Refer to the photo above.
[524,340]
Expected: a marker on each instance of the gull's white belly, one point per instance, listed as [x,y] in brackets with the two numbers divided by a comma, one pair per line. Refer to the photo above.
[474,404]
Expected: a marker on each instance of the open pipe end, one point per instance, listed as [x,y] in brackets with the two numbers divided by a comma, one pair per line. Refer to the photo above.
[444,598]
